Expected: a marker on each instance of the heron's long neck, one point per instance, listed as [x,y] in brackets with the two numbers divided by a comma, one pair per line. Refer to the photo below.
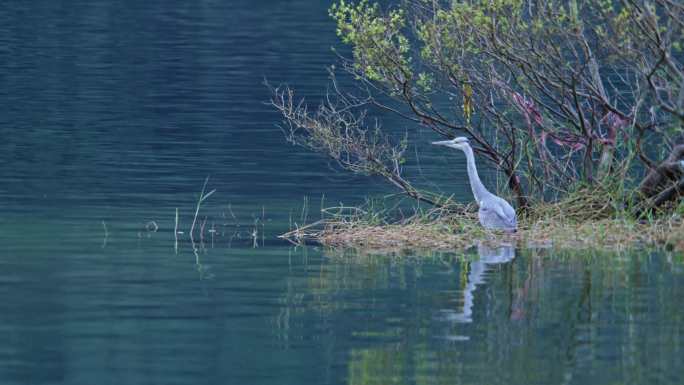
[479,190]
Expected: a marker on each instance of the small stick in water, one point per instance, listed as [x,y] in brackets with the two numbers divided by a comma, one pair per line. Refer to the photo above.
[201,199]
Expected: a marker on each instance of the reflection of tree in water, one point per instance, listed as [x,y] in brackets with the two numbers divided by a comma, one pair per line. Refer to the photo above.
[543,317]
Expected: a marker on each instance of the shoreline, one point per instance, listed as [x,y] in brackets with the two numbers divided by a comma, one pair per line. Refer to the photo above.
[460,232]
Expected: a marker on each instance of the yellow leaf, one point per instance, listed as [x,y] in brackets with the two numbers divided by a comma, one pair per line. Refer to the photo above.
[467,101]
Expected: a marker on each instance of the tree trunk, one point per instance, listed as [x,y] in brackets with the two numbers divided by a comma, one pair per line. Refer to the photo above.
[517,188]
[663,183]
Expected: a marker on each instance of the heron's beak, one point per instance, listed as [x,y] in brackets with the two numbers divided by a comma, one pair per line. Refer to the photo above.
[443,143]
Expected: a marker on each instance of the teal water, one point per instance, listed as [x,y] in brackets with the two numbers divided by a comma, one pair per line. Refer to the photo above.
[112,115]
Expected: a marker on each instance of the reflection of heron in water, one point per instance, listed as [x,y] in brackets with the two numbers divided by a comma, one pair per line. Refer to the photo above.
[488,256]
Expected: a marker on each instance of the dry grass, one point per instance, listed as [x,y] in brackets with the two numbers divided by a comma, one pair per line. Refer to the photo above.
[438,235]
[589,221]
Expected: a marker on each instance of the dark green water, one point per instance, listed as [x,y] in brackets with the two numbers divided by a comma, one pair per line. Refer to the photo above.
[111,116]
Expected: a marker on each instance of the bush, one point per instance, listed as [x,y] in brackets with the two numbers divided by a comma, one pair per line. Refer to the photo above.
[557,95]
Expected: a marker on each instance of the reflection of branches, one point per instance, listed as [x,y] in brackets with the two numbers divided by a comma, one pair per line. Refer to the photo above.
[106,234]
[393,339]
[176,232]
[203,270]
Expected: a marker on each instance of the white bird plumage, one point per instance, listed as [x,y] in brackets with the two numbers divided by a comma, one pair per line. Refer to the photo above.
[494,212]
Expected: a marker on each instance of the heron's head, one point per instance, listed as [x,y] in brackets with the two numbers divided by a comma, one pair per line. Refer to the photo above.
[459,143]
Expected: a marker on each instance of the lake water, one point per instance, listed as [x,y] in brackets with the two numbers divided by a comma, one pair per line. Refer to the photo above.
[112,115]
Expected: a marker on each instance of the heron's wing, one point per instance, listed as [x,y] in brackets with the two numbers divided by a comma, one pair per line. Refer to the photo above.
[508,210]
[501,208]
[490,205]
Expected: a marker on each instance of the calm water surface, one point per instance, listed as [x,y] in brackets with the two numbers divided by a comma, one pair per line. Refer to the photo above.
[113,113]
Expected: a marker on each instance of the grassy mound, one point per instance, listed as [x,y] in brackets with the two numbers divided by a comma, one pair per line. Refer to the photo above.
[582,220]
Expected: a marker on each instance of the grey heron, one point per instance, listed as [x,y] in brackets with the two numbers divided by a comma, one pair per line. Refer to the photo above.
[494,212]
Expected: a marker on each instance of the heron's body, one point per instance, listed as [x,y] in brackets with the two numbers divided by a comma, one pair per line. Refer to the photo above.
[494,212]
